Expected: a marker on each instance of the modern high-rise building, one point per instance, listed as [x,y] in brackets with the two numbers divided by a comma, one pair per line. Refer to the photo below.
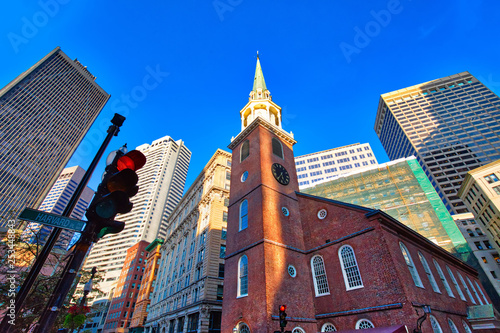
[44,114]
[55,202]
[327,164]
[452,125]
[161,185]
[188,290]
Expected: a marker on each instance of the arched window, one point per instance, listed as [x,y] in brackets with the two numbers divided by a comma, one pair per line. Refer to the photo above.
[277,148]
[453,328]
[471,233]
[443,279]
[482,294]
[244,215]
[243,276]
[479,232]
[466,288]
[298,330]
[455,283]
[411,265]
[474,291]
[328,327]
[352,277]
[243,328]
[436,328]
[466,327]
[319,276]
[363,324]
[245,150]
[428,271]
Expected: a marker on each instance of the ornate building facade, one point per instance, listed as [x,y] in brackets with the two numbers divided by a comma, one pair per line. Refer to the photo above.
[188,290]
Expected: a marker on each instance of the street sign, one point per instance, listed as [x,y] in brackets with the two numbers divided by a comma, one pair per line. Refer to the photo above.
[54,220]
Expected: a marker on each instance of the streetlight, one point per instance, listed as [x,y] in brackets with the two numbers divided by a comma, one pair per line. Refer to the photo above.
[88,287]
[427,310]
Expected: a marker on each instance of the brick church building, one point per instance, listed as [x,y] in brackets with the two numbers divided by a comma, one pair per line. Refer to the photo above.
[336,266]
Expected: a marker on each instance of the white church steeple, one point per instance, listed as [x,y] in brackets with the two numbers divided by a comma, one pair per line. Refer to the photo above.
[260,102]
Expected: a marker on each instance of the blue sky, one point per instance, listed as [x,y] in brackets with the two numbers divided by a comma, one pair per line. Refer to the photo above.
[326,63]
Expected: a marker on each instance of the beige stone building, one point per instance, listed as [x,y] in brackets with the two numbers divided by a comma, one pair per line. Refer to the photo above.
[480,192]
[189,284]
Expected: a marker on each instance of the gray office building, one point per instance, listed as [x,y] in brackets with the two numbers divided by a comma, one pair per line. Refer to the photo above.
[44,114]
[55,202]
[451,125]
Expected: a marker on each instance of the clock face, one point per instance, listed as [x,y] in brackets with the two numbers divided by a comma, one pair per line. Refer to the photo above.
[280,173]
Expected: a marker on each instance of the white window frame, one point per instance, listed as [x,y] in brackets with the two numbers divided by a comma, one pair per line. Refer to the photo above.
[240,294]
[466,288]
[428,271]
[475,292]
[436,328]
[240,216]
[298,330]
[241,150]
[453,327]
[241,325]
[466,327]
[326,325]
[443,279]
[457,287]
[411,265]
[359,322]
[315,276]
[344,269]
[481,291]
[281,146]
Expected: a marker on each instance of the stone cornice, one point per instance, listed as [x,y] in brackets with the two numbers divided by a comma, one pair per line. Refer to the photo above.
[264,123]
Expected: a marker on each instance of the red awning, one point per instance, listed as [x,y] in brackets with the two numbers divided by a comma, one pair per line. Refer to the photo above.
[389,329]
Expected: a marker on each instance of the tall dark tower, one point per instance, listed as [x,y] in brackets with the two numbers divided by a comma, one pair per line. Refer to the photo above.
[265,262]
[44,114]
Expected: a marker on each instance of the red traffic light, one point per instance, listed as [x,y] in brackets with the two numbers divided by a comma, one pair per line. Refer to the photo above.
[282,307]
[133,160]
[124,181]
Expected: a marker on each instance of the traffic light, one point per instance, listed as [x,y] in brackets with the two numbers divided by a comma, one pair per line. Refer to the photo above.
[119,183]
[283,321]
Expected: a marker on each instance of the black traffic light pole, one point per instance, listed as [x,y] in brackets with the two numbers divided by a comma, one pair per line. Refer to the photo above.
[117,121]
[81,247]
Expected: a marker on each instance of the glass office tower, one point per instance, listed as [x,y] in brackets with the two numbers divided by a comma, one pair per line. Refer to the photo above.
[452,125]
[44,114]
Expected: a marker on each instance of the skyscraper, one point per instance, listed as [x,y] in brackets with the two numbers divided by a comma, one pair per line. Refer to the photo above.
[161,184]
[323,165]
[188,291]
[452,125]
[55,202]
[44,114]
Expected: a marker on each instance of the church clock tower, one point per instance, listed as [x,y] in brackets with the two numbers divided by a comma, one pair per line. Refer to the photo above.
[265,263]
